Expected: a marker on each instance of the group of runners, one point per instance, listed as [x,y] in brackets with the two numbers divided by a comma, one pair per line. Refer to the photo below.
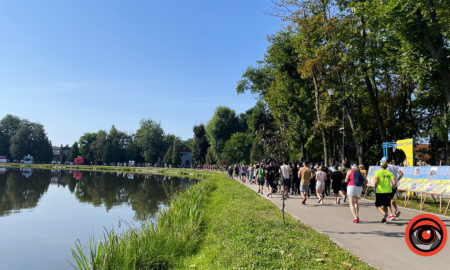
[345,181]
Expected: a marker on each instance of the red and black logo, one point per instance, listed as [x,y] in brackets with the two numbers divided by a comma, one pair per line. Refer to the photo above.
[426,235]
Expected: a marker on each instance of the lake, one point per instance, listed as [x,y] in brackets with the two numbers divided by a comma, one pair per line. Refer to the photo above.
[43,213]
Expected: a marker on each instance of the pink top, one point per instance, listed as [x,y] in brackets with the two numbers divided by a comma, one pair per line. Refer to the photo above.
[320,177]
[350,177]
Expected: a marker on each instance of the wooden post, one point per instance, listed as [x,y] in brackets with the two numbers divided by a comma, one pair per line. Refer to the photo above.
[440,204]
[446,209]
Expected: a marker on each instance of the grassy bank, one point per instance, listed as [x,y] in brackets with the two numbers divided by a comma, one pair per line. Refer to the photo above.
[219,224]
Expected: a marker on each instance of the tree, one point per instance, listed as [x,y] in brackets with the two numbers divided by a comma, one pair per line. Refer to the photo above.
[176,158]
[168,156]
[31,139]
[200,144]
[237,149]
[86,141]
[150,140]
[220,128]
[74,152]
[8,127]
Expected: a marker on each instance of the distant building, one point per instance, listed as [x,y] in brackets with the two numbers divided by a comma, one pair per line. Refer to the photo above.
[3,159]
[186,157]
[60,153]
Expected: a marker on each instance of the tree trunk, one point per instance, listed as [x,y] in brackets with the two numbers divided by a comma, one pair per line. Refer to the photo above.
[359,147]
[370,88]
[324,140]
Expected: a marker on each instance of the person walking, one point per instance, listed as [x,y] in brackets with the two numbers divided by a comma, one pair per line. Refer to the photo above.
[270,172]
[230,171]
[305,174]
[236,171]
[336,183]
[355,181]
[251,174]
[260,176]
[398,174]
[384,181]
[320,184]
[295,180]
[285,171]
[345,167]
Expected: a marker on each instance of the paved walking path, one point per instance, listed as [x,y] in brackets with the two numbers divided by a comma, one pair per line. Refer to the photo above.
[380,245]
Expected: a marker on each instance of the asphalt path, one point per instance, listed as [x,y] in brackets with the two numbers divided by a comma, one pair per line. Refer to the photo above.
[380,245]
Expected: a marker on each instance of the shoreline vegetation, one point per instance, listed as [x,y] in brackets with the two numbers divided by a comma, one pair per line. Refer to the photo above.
[216,224]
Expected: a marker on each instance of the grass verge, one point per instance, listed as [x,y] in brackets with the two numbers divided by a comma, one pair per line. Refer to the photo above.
[177,234]
[217,224]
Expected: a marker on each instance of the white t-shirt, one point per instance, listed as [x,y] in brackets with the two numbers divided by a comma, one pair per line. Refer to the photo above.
[320,177]
[285,169]
[394,169]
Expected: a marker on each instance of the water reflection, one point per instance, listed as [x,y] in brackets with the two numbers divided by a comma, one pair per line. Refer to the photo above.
[146,194]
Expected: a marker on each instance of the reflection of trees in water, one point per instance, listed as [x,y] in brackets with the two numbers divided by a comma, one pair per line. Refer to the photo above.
[19,192]
[144,193]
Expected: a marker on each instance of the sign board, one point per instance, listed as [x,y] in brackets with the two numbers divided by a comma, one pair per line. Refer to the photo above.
[407,145]
[426,179]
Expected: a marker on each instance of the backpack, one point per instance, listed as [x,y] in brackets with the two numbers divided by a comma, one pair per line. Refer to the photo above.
[358,178]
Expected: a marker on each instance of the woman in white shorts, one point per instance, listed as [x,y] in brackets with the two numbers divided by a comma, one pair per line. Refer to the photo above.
[320,184]
[354,191]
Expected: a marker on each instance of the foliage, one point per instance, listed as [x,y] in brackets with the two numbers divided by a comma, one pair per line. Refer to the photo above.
[74,152]
[220,128]
[237,149]
[150,140]
[200,144]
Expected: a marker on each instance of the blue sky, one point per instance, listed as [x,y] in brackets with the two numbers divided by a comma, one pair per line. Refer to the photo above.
[78,66]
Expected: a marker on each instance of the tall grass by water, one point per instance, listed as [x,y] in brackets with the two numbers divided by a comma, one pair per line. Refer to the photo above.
[154,246]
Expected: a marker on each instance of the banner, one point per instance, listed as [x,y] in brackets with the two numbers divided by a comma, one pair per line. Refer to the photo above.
[407,145]
[426,179]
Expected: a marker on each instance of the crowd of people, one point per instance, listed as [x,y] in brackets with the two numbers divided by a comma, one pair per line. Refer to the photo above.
[343,182]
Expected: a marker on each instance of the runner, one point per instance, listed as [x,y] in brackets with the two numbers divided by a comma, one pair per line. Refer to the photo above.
[337,177]
[230,171]
[270,179]
[345,166]
[320,184]
[312,182]
[383,181]
[355,181]
[295,179]
[304,174]
[398,174]
[236,171]
[285,171]
[251,175]
[260,175]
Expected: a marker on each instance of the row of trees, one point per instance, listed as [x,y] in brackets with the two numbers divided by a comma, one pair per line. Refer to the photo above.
[149,144]
[20,137]
[384,62]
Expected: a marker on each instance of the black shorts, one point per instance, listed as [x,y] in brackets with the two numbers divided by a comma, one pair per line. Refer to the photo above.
[261,181]
[394,191]
[383,199]
[269,183]
[286,182]
[344,187]
[337,185]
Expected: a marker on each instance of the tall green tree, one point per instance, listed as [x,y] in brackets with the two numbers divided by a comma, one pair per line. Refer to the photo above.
[220,128]
[150,140]
[85,143]
[237,149]
[200,144]
[74,152]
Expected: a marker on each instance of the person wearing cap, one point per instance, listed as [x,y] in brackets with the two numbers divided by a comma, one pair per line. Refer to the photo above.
[398,174]
[384,181]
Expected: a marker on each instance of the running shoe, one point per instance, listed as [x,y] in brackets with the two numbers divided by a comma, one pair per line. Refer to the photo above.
[391,217]
[356,220]
[268,194]
[384,219]
[304,202]
[345,198]
[397,213]
[339,200]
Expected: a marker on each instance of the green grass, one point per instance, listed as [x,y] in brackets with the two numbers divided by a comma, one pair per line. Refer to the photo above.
[217,224]
[245,231]
[177,234]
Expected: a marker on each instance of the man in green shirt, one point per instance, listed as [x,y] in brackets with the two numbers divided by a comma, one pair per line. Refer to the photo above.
[384,182]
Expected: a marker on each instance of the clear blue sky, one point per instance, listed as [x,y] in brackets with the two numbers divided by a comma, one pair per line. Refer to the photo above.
[78,66]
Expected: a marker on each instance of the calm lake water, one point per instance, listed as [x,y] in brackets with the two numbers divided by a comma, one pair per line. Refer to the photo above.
[43,213]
